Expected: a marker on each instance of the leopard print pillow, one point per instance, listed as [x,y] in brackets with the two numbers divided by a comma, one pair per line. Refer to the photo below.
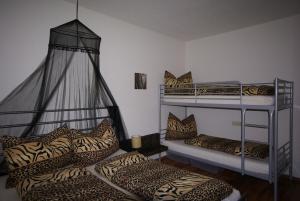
[90,148]
[34,156]
[178,85]
[178,130]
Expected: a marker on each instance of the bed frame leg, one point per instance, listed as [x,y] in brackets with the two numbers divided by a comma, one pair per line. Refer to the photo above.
[275,187]
[243,117]
[291,143]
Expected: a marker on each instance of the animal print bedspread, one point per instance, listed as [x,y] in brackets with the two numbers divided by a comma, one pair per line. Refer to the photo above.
[252,90]
[68,184]
[153,180]
[252,149]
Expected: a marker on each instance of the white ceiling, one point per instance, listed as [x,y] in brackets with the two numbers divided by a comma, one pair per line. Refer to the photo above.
[193,19]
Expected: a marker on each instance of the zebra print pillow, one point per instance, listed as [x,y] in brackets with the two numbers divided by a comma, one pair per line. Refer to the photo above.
[90,148]
[179,85]
[178,130]
[37,155]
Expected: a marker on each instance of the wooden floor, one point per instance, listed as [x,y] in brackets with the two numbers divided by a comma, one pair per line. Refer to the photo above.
[254,189]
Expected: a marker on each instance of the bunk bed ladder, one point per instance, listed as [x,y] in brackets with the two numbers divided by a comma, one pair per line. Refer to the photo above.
[270,143]
[243,116]
[243,130]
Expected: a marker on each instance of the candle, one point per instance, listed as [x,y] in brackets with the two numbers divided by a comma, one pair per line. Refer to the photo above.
[136,142]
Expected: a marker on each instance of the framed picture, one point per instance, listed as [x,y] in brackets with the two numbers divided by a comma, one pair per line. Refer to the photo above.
[140,81]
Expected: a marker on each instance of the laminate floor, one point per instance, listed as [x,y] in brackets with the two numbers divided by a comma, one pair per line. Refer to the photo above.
[254,189]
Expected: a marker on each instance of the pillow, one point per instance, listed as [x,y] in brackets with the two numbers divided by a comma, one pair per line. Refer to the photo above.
[178,130]
[184,81]
[90,148]
[34,156]
[109,167]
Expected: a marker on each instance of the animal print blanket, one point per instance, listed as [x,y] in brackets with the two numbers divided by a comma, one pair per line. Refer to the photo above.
[251,90]
[153,180]
[68,184]
[253,150]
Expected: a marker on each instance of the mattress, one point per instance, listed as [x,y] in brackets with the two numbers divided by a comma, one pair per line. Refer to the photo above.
[252,166]
[219,99]
[11,194]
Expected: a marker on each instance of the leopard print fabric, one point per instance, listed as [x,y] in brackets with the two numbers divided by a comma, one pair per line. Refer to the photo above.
[251,90]
[152,180]
[260,90]
[74,186]
[60,175]
[178,85]
[38,155]
[182,185]
[178,130]
[211,190]
[194,187]
[108,167]
[95,146]
[101,128]
[252,149]
[10,141]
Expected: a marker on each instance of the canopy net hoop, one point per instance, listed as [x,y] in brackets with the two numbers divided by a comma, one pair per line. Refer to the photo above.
[67,87]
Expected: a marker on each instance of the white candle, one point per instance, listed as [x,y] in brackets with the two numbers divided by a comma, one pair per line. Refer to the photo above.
[136,142]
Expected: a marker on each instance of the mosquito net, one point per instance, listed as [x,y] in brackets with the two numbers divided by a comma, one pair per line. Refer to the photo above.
[66,88]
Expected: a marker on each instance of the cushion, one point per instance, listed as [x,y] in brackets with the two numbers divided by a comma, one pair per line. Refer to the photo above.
[178,130]
[184,81]
[34,156]
[90,148]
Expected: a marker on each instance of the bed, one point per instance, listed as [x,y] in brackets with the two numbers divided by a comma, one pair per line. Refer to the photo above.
[183,90]
[220,93]
[60,165]
[268,97]
[12,195]
[220,99]
[152,180]
[252,166]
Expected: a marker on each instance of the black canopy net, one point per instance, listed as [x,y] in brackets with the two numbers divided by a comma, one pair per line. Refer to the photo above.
[66,88]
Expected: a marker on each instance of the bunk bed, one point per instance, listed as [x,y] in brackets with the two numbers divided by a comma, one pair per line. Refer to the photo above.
[234,95]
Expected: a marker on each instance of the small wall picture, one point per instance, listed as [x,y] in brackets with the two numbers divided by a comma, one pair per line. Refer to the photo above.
[140,81]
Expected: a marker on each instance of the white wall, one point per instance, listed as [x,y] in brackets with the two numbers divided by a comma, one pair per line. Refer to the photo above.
[257,53]
[125,49]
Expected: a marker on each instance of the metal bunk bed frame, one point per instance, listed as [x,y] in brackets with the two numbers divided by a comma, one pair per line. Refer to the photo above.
[280,158]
